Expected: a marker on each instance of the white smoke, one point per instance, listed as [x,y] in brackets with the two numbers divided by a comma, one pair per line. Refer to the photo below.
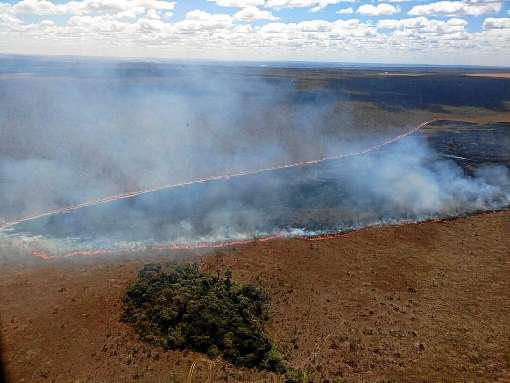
[412,179]
[67,140]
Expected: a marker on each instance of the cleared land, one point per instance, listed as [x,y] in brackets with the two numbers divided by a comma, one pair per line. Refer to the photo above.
[414,303]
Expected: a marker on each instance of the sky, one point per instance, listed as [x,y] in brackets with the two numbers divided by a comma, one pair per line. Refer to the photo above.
[459,32]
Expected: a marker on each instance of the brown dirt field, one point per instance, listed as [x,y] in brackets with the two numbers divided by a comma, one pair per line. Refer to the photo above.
[491,75]
[414,303]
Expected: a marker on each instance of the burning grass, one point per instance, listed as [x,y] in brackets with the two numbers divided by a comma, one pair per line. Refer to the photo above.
[178,307]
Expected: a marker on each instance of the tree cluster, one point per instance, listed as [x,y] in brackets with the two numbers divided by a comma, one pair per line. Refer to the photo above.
[179,307]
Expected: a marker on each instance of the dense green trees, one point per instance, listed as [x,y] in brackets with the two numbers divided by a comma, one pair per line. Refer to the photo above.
[180,307]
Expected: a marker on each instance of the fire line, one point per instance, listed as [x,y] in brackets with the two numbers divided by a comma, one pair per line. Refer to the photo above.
[136,193]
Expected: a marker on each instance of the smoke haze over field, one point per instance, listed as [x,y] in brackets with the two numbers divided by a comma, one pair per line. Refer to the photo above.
[76,135]
[111,131]
[406,182]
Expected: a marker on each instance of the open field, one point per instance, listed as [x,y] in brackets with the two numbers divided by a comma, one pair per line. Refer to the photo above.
[414,303]
[491,75]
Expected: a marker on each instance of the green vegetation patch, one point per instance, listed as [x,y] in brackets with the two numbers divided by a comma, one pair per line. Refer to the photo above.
[180,307]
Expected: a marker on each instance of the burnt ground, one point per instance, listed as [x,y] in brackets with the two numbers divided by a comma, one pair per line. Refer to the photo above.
[414,303]
[319,198]
[471,143]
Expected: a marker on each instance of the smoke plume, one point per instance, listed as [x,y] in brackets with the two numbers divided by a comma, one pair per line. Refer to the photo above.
[98,130]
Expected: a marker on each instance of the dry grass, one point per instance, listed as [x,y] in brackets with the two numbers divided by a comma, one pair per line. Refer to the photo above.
[415,303]
[490,75]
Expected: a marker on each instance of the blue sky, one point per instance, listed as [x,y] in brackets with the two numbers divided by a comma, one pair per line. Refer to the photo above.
[396,31]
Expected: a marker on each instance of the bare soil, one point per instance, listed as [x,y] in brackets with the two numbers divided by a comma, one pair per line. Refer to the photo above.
[415,303]
[491,74]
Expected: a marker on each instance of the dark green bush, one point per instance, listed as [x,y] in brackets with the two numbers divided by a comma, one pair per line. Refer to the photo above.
[183,308]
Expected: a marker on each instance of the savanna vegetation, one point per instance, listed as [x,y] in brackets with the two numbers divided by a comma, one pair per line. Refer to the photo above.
[179,307]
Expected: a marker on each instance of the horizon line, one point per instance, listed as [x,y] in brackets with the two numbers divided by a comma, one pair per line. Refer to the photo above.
[270,63]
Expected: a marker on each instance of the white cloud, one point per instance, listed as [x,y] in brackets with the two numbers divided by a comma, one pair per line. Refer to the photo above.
[199,15]
[317,30]
[238,3]
[496,23]
[8,22]
[83,25]
[417,22]
[315,5]
[424,26]
[152,14]
[377,10]
[126,8]
[199,21]
[345,11]
[249,14]
[481,1]
[323,4]
[457,22]
[456,8]
[39,7]
[274,28]
[313,26]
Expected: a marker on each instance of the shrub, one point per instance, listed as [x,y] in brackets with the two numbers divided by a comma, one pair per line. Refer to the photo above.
[183,308]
